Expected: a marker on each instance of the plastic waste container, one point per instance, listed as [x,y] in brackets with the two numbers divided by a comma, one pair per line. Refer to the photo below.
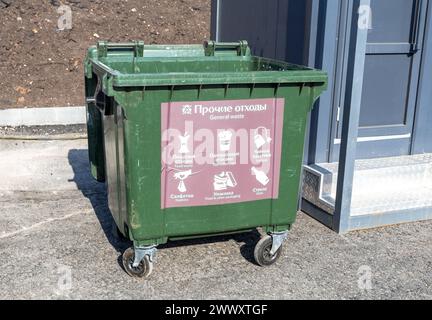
[195,141]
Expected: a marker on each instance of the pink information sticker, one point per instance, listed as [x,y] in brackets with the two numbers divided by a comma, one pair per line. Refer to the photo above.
[220,152]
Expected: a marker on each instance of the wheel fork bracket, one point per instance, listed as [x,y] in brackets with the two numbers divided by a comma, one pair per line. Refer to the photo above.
[278,238]
[141,252]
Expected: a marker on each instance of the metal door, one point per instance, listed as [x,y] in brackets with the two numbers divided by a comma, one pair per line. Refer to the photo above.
[390,79]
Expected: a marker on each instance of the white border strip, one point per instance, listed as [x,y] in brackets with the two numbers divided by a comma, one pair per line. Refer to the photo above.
[379,138]
[43,116]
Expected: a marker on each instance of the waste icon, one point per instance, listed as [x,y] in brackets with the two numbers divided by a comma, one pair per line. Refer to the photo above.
[261,137]
[224,181]
[182,176]
[260,176]
[225,140]
[182,187]
[184,143]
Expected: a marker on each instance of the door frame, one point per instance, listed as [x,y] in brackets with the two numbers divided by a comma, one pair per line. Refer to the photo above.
[422,133]
[372,138]
[413,47]
[329,24]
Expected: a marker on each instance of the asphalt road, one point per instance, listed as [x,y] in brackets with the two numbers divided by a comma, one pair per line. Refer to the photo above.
[56,243]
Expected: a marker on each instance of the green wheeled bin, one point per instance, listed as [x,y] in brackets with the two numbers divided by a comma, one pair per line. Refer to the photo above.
[195,141]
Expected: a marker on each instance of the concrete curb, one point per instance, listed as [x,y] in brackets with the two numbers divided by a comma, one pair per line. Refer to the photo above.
[42,116]
[69,136]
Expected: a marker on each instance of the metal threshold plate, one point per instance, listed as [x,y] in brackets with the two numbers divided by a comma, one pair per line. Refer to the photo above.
[379,186]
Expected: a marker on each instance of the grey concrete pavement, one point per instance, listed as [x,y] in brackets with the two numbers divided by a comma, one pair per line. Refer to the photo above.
[56,243]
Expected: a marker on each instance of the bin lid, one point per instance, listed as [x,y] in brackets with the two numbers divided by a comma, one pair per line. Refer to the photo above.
[135,64]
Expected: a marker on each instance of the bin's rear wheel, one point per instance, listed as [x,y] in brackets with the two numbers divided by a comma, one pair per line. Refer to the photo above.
[262,252]
[143,270]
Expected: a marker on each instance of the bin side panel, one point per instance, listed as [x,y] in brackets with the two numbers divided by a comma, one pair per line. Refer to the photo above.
[111,144]
[94,132]
[298,102]
[142,160]
[121,197]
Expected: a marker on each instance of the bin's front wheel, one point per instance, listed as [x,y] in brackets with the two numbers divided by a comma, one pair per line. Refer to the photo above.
[143,270]
[262,252]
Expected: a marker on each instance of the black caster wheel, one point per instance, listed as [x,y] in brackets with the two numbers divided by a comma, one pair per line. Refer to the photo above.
[143,270]
[262,253]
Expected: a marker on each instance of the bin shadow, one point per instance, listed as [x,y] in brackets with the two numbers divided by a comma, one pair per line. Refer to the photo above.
[246,241]
[97,195]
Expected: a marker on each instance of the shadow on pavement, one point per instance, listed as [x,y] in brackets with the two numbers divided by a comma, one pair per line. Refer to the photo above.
[96,193]
[246,241]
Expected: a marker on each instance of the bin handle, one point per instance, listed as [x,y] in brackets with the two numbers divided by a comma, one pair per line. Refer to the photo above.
[241,47]
[137,47]
[94,99]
